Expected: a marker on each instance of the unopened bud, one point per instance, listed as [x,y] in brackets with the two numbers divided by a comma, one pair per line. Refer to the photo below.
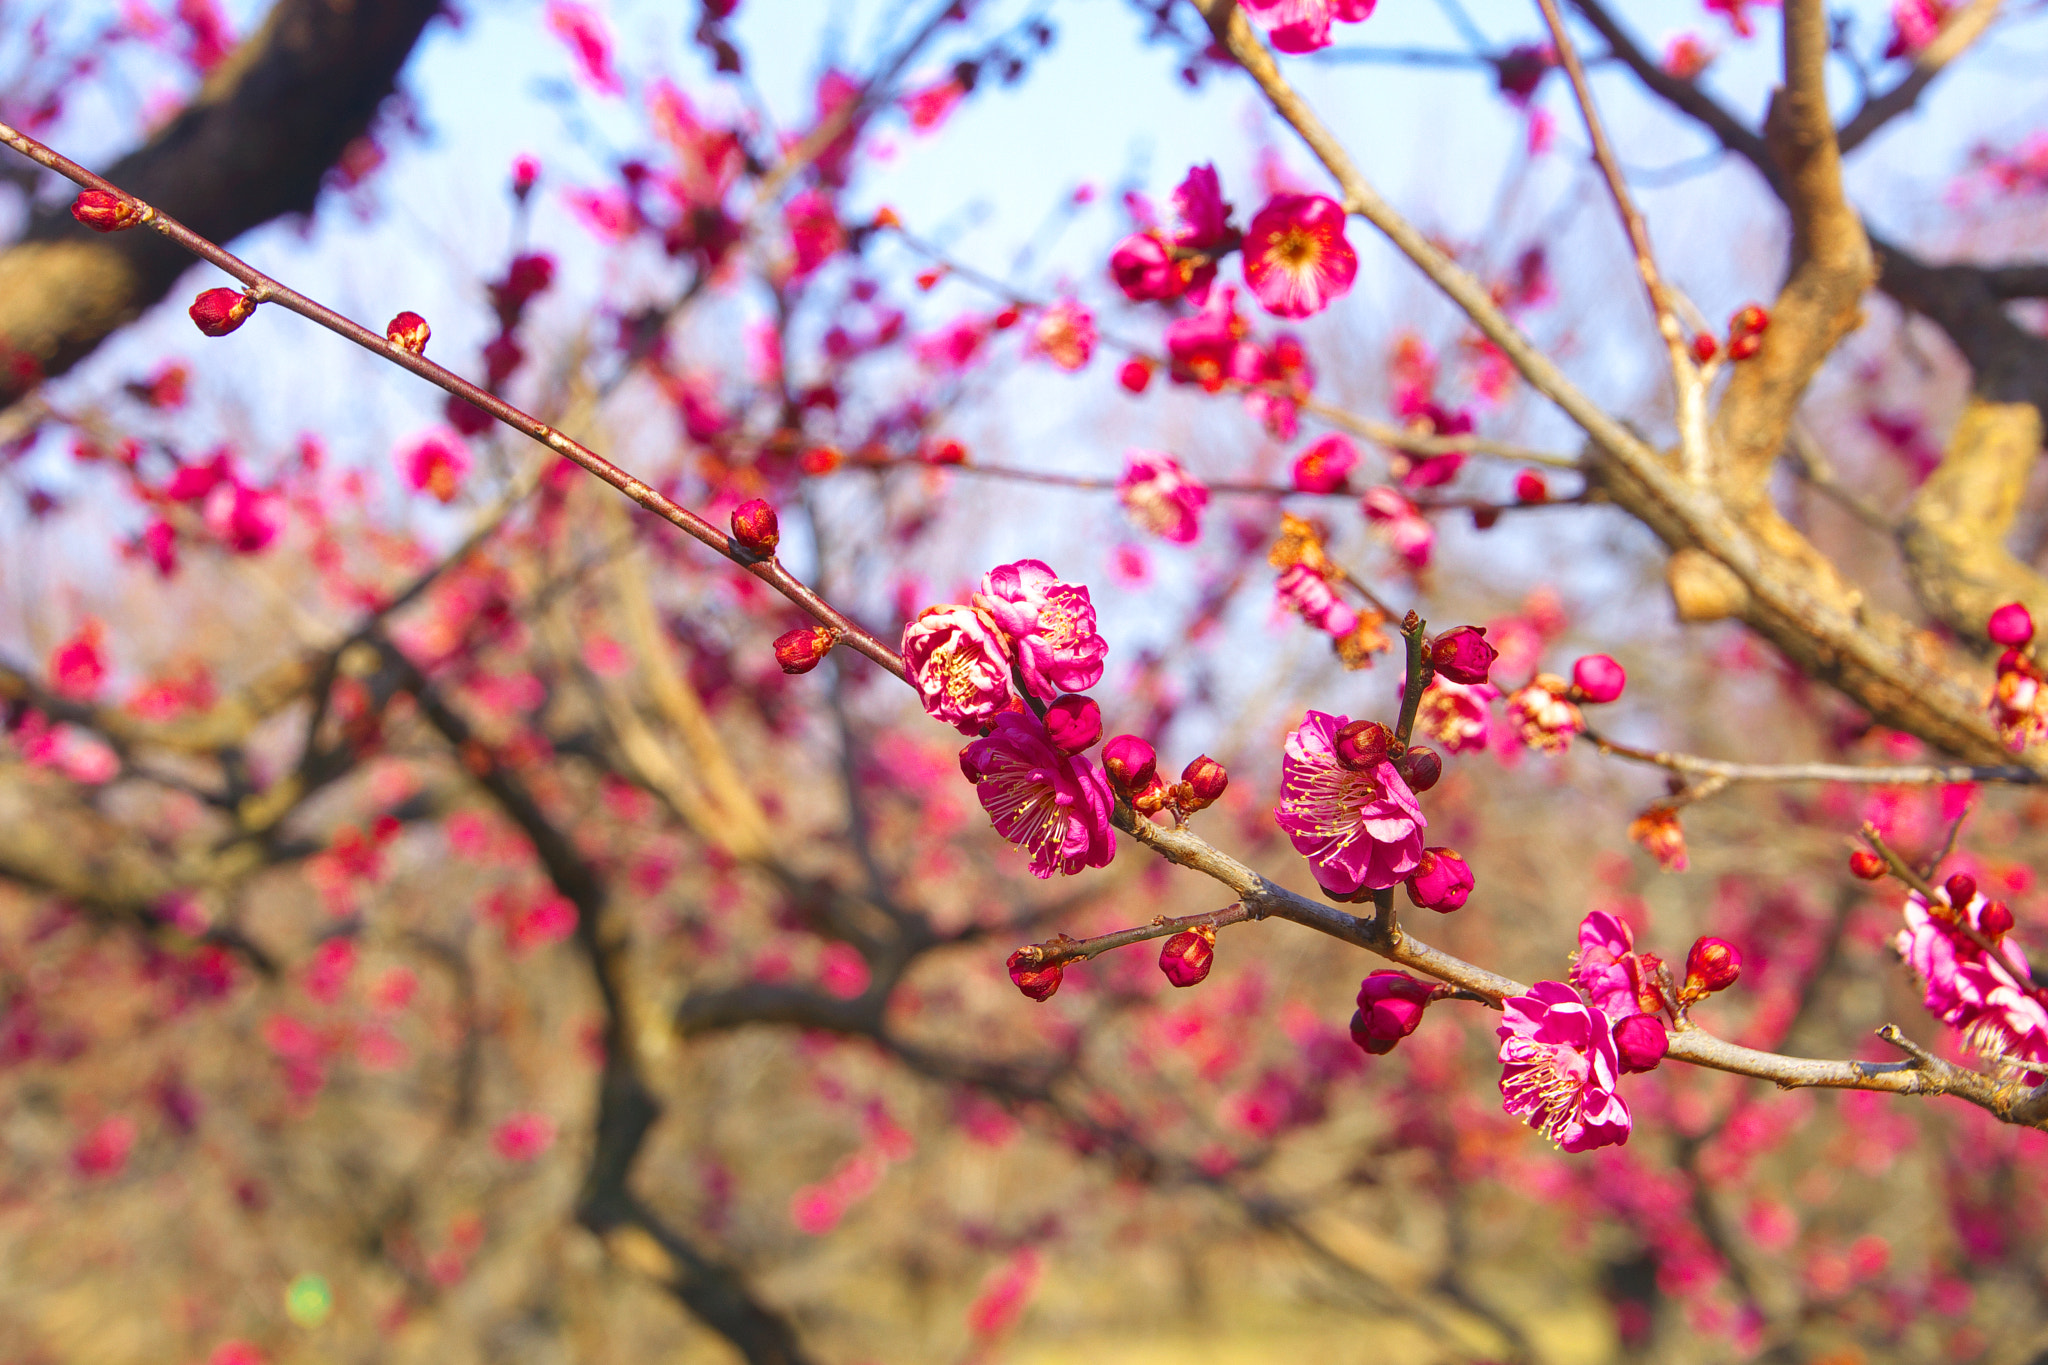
[1866,865]
[408,332]
[1441,881]
[1202,783]
[1712,965]
[1188,955]
[755,528]
[1704,347]
[1462,655]
[1530,487]
[1073,723]
[1749,321]
[1390,1006]
[1598,678]
[1419,768]
[220,311]
[802,649]
[2011,625]
[1745,346]
[1994,919]
[1038,983]
[1961,889]
[946,452]
[1130,763]
[104,212]
[1362,744]
[1135,375]
[1641,1041]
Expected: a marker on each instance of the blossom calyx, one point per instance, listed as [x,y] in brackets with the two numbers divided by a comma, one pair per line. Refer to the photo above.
[1073,723]
[1642,1041]
[1187,956]
[1037,982]
[408,332]
[755,529]
[803,649]
[1390,1006]
[1419,767]
[1131,764]
[2012,625]
[1201,784]
[1712,965]
[1440,882]
[220,311]
[1865,865]
[1462,655]
[1362,745]
[105,212]
[1597,678]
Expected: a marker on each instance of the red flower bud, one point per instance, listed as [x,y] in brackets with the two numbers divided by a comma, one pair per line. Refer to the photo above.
[1712,965]
[1390,1006]
[1530,487]
[1035,981]
[1749,321]
[946,452]
[1188,955]
[220,311]
[802,649]
[2011,625]
[755,528]
[1743,347]
[1131,764]
[1419,768]
[1598,678]
[1007,319]
[1704,346]
[525,170]
[1362,744]
[1641,1041]
[1462,654]
[1995,919]
[1136,375]
[1440,882]
[1073,723]
[1203,781]
[1866,865]
[408,332]
[816,460]
[1961,889]
[104,212]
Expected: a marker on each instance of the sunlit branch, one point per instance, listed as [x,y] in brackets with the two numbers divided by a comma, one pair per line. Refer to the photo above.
[1959,31]
[1910,774]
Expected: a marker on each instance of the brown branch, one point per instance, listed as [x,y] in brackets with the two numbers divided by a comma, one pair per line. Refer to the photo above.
[1059,950]
[1914,774]
[1959,31]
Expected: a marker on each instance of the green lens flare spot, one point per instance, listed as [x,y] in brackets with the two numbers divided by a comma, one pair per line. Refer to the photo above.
[308,1301]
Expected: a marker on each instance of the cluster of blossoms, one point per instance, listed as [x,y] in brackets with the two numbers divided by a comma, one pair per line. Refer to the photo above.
[1304,25]
[1296,259]
[2019,703]
[1977,979]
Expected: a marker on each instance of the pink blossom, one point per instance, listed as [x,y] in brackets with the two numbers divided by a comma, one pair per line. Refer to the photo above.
[1914,25]
[246,519]
[1686,56]
[1201,214]
[1209,348]
[930,107]
[1602,966]
[1065,335]
[78,667]
[583,31]
[1304,25]
[1303,590]
[523,1137]
[1322,468]
[1402,524]
[435,461]
[1543,716]
[1559,1068]
[955,345]
[1358,830]
[1295,257]
[1968,989]
[1144,268]
[815,235]
[1054,806]
[1051,626]
[1161,497]
[1456,716]
[960,664]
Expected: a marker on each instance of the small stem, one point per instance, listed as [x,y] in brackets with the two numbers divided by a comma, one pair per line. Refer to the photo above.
[1908,874]
[1420,672]
[1060,949]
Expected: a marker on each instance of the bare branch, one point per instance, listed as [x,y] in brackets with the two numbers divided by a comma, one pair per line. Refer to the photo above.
[1959,31]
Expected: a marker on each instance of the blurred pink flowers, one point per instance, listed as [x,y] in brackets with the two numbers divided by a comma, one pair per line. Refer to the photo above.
[1295,257]
[1304,25]
[1161,497]
[1967,988]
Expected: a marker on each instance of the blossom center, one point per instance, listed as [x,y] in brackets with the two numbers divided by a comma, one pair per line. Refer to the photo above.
[1334,801]
[1297,248]
[1545,1085]
[1059,625]
[1025,806]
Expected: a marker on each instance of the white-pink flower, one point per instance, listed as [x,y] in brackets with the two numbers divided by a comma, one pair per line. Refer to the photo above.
[960,665]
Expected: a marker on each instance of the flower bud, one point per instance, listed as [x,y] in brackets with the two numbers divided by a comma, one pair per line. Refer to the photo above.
[1641,1041]
[1704,346]
[945,452]
[1745,346]
[1462,655]
[1441,881]
[1866,865]
[1994,919]
[1530,487]
[755,528]
[1188,955]
[1362,744]
[104,212]
[408,332]
[1419,768]
[1038,983]
[1131,764]
[220,311]
[1390,1006]
[2011,625]
[1598,678]
[1203,782]
[1961,889]
[525,171]
[1073,723]
[802,649]
[1712,965]
[1749,321]
[1135,375]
